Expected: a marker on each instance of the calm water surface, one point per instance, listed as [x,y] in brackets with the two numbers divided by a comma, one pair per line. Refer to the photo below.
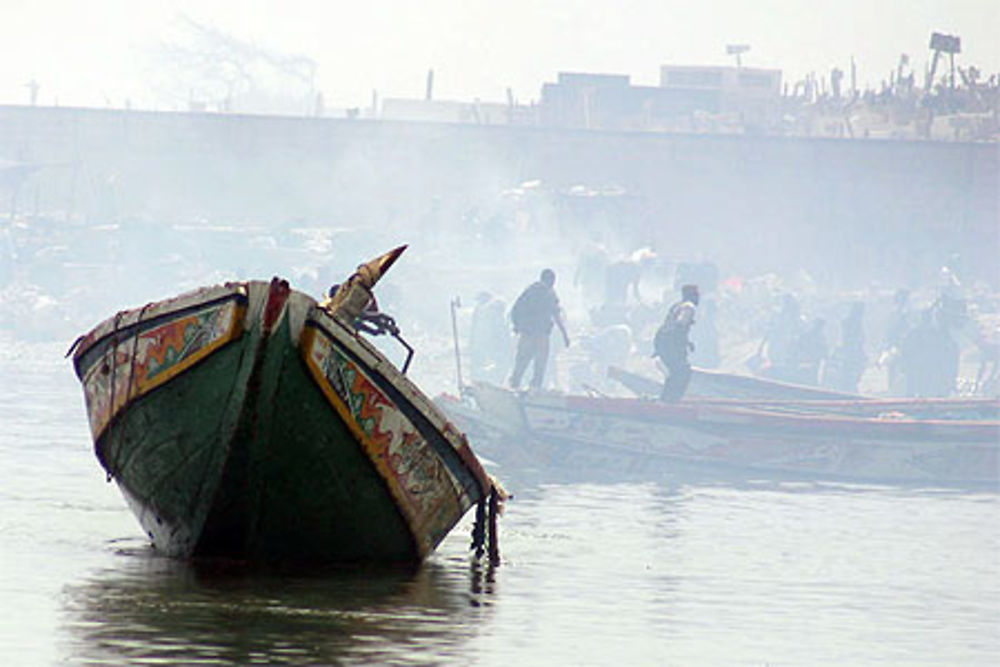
[683,570]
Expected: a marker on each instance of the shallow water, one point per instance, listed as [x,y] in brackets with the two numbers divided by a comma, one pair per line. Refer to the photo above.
[684,570]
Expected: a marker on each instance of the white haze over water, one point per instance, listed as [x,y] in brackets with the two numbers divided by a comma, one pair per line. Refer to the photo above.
[109,52]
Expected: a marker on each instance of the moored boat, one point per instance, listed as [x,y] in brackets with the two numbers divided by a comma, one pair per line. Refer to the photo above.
[710,388]
[246,420]
[815,439]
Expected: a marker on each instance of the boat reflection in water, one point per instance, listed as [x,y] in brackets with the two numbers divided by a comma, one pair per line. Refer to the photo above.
[157,610]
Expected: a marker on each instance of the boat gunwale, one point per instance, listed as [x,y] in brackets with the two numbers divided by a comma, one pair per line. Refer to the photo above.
[692,415]
[90,343]
[958,403]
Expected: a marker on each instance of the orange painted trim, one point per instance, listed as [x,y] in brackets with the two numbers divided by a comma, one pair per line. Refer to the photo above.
[235,331]
[139,385]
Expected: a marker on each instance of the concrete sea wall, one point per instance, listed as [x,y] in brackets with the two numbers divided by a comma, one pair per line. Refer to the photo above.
[846,210]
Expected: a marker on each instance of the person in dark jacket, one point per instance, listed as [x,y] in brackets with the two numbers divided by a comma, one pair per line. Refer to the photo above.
[672,344]
[533,314]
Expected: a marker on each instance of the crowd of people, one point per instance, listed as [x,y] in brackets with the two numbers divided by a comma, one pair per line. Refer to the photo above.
[596,307]
[933,342]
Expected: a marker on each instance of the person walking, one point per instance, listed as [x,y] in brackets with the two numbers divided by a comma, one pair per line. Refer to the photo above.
[489,339]
[672,344]
[532,315]
[848,361]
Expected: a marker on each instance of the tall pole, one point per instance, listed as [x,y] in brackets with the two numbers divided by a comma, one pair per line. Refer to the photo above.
[455,305]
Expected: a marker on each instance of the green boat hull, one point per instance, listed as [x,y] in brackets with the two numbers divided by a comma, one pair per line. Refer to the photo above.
[246,422]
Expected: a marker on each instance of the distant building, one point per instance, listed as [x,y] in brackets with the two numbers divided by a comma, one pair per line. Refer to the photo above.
[751,92]
[609,101]
[592,101]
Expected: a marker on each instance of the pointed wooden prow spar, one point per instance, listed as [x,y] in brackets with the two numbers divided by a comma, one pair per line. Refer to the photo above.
[370,272]
[354,294]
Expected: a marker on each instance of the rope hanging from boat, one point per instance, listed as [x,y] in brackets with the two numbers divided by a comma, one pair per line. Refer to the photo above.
[494,547]
[479,528]
[484,529]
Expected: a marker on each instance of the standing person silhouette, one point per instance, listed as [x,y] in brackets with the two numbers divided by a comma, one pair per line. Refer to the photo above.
[672,344]
[533,314]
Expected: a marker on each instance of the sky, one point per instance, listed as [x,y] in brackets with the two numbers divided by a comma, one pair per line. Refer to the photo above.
[104,52]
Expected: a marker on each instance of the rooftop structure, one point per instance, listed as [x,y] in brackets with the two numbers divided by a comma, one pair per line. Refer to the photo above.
[609,101]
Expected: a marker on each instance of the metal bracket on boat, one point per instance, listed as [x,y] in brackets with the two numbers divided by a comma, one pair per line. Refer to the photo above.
[379,324]
[409,351]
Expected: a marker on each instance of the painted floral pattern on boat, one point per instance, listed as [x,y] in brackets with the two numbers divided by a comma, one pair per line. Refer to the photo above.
[151,357]
[420,481]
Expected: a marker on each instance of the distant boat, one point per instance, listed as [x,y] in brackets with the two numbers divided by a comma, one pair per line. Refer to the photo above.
[717,384]
[932,441]
[248,421]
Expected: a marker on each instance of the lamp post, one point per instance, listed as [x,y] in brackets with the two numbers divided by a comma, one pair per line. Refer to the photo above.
[737,50]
